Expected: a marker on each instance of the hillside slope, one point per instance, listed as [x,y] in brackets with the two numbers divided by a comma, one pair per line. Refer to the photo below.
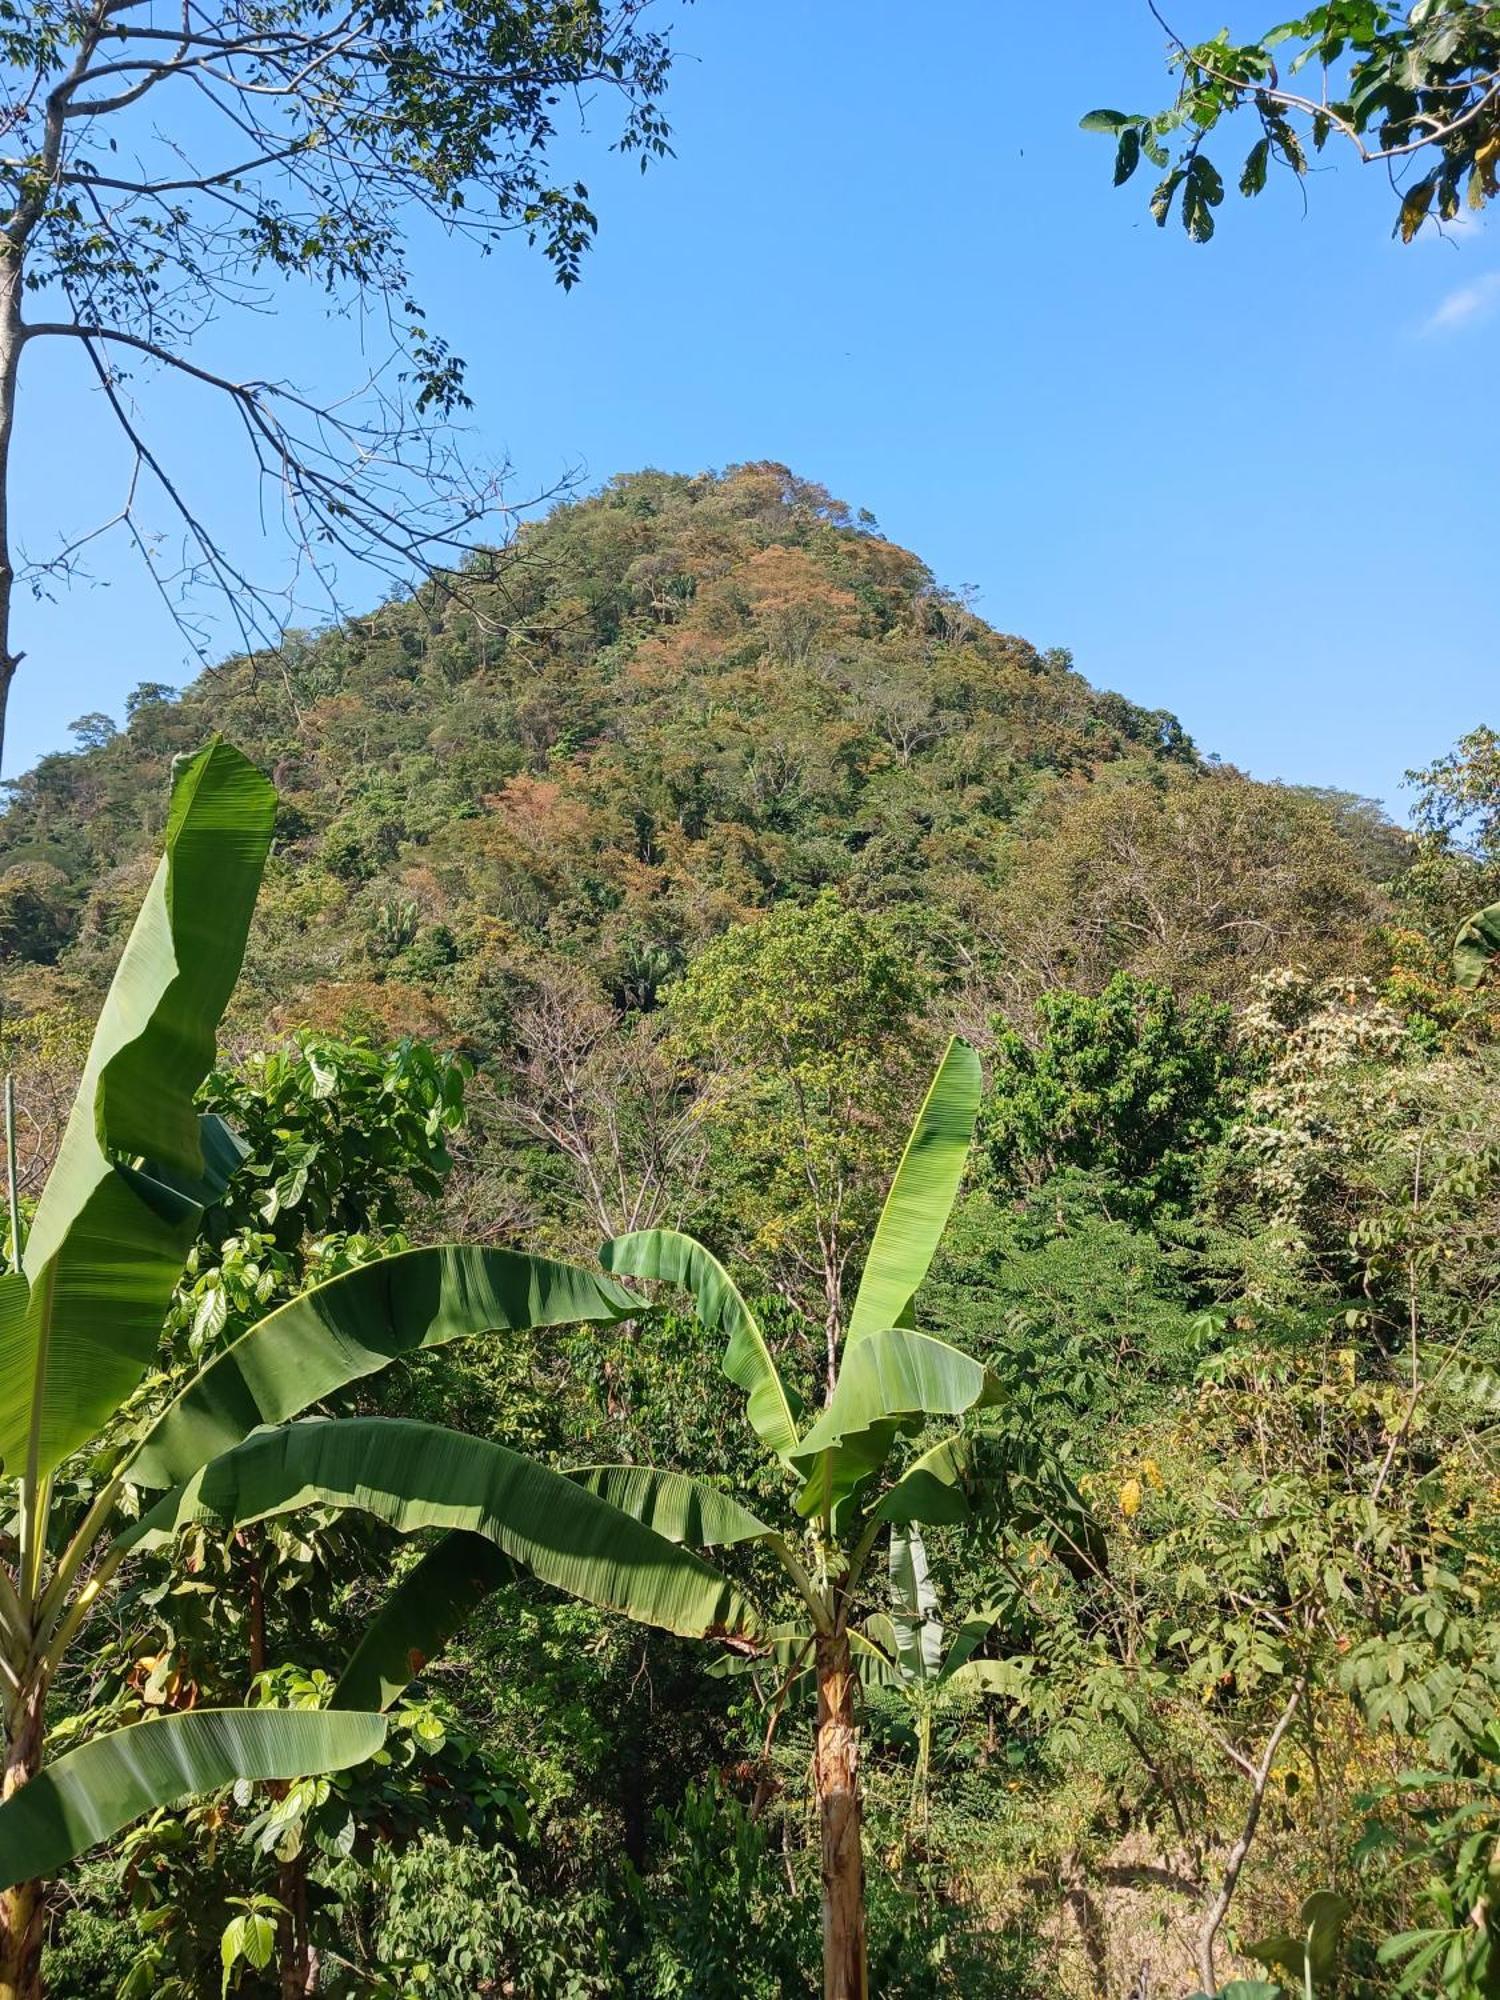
[666,708]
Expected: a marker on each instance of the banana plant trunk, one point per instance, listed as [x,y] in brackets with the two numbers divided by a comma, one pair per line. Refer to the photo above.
[836,1783]
[22,1911]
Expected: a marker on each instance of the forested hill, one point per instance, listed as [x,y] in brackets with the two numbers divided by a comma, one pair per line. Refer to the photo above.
[670,706]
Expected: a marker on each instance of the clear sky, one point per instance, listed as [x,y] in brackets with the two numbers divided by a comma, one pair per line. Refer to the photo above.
[1253,482]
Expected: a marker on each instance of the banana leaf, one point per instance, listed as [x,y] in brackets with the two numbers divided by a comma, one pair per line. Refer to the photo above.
[133,1174]
[673,1504]
[931,1489]
[680,1260]
[92,1792]
[891,1381]
[915,1622]
[921,1196]
[354,1325]
[419,1616]
[415,1475]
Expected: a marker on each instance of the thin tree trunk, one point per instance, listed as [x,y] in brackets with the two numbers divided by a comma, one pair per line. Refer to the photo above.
[10,356]
[916,1818]
[1260,1777]
[299,1962]
[836,1783]
[23,1909]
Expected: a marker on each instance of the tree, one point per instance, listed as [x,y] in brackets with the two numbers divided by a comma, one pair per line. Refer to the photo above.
[1198,880]
[291,141]
[891,1383]
[811,1020]
[1415,89]
[80,1320]
[1130,1084]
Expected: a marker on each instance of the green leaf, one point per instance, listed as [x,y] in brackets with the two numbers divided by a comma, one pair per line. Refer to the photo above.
[914,1606]
[921,1196]
[419,1617]
[92,1792]
[930,1490]
[970,1635]
[672,1504]
[133,1175]
[892,1380]
[414,1475]
[1253,178]
[1106,121]
[1476,946]
[354,1325]
[1127,155]
[1006,1678]
[678,1260]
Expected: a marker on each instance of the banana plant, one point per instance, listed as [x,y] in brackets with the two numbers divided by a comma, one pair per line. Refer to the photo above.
[908,1651]
[848,1474]
[848,1480]
[81,1317]
[904,1651]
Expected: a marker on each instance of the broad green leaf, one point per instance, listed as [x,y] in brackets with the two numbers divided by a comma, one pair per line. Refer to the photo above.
[131,1179]
[414,1475]
[1106,121]
[680,1260]
[93,1791]
[931,1488]
[1471,1382]
[672,1504]
[874,1661]
[1476,946]
[419,1617]
[969,1636]
[914,1607]
[355,1324]
[983,1677]
[921,1196]
[1322,1918]
[892,1380]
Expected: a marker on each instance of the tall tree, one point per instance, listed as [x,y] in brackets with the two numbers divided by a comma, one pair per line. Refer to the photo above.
[1415,89]
[158,179]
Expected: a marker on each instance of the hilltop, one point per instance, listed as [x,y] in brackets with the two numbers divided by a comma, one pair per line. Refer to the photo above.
[665,708]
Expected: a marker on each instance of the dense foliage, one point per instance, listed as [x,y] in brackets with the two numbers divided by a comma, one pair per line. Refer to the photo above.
[640,888]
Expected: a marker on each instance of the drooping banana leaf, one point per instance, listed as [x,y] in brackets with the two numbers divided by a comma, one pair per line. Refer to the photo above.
[890,1381]
[354,1325]
[415,1475]
[680,1260]
[1477,946]
[914,1607]
[132,1176]
[93,1791]
[989,1677]
[931,1489]
[418,1618]
[970,1635]
[921,1196]
[672,1504]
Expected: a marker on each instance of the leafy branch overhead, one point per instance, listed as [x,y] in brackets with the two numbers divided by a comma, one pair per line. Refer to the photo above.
[1416,89]
[161,183]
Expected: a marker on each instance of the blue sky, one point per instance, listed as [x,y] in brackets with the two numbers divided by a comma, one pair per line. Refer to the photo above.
[1245,482]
